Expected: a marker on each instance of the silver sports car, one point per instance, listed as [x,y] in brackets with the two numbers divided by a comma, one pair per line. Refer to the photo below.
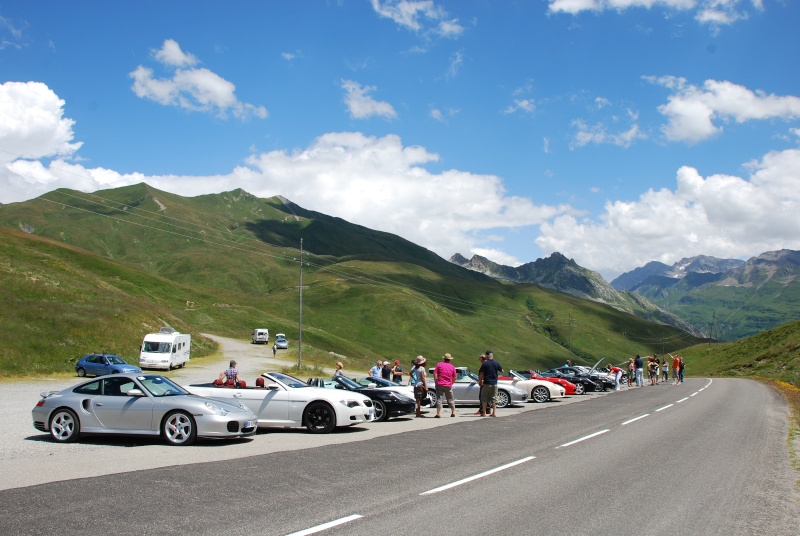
[139,404]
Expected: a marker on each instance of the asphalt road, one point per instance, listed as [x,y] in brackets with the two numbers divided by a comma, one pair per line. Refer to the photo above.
[705,457]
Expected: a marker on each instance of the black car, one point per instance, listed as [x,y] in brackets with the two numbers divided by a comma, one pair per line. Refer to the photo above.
[602,382]
[387,403]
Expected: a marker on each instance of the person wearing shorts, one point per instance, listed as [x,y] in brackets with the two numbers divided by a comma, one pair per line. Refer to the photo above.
[487,379]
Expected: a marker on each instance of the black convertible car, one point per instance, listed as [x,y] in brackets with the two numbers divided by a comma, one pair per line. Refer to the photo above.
[387,403]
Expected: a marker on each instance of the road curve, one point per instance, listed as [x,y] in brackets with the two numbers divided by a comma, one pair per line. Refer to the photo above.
[704,457]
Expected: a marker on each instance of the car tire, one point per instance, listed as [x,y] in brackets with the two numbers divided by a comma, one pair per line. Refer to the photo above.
[64,426]
[599,387]
[503,399]
[580,389]
[540,394]
[179,429]
[319,418]
[81,372]
[432,397]
[381,412]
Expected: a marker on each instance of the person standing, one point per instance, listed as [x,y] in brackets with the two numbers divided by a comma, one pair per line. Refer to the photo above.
[375,371]
[652,370]
[487,379]
[631,372]
[444,374]
[418,379]
[386,371]
[397,372]
[339,367]
[274,350]
[231,374]
[616,373]
[681,368]
[637,362]
[676,366]
[483,359]
[665,368]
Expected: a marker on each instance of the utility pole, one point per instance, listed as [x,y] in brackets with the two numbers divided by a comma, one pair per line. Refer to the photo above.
[300,328]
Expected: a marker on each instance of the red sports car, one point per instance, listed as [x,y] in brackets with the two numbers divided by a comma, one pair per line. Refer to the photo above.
[568,386]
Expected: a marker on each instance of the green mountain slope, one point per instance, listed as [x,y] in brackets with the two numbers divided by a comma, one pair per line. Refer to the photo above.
[125,261]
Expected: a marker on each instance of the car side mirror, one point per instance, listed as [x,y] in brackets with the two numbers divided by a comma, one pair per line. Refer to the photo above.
[134,392]
[372,385]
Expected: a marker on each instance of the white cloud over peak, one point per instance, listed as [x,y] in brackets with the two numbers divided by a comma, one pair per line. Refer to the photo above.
[694,113]
[361,105]
[719,215]
[194,89]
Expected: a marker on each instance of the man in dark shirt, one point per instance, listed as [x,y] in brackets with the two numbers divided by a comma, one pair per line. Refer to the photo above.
[639,371]
[487,379]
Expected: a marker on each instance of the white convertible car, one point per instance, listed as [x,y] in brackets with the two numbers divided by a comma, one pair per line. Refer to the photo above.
[538,390]
[281,400]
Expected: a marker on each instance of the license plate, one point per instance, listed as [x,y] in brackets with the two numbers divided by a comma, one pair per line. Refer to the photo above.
[249,424]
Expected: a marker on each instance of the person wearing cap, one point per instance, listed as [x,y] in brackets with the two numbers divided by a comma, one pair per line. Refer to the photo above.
[487,378]
[444,374]
[397,372]
[231,373]
[419,382]
[386,371]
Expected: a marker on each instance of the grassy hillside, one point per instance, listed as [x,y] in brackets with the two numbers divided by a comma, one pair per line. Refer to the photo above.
[98,272]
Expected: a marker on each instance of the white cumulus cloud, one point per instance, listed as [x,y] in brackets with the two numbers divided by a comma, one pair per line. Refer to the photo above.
[422,16]
[360,103]
[190,88]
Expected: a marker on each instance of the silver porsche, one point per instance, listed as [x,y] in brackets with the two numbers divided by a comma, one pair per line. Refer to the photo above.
[139,404]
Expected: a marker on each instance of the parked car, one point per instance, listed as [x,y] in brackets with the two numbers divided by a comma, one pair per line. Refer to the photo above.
[569,387]
[582,384]
[281,400]
[138,404]
[602,381]
[380,383]
[102,364]
[467,391]
[538,390]
[260,336]
[280,342]
[387,403]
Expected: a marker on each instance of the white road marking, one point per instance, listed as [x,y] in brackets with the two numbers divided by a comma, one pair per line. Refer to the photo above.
[475,477]
[665,407]
[636,419]
[584,438]
[694,393]
[328,525]
[682,399]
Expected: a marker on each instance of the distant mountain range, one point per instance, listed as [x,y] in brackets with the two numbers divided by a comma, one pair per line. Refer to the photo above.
[559,273]
[726,299]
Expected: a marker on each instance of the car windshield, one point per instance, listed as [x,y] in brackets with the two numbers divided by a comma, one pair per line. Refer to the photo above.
[156,347]
[160,386]
[289,381]
[347,382]
[380,382]
[116,360]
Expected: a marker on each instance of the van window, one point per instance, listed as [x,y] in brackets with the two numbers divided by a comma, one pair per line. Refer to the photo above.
[156,347]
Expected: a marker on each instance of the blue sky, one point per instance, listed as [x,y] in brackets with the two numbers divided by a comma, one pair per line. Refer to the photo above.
[613,131]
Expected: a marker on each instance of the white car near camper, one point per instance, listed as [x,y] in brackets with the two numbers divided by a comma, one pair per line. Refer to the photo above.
[165,350]
[260,336]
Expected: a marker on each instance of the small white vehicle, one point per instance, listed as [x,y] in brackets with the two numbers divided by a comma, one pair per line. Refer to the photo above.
[280,342]
[165,350]
[260,336]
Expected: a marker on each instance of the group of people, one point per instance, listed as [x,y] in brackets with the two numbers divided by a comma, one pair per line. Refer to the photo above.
[657,370]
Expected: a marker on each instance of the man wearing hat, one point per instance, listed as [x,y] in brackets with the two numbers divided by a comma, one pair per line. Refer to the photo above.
[444,375]
[419,382]
[231,373]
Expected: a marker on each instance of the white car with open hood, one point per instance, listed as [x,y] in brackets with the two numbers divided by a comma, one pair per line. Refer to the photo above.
[280,400]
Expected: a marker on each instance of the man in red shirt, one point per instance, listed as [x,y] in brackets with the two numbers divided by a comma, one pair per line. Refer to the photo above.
[444,375]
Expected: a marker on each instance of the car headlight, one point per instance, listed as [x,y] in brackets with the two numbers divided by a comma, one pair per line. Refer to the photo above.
[350,403]
[217,410]
[399,397]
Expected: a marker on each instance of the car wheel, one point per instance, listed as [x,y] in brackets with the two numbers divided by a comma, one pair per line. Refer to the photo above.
[381,413]
[320,418]
[65,426]
[503,399]
[540,394]
[179,429]
[81,372]
[599,387]
[580,389]
[432,397]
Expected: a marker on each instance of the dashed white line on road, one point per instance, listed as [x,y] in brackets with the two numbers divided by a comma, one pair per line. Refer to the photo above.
[326,526]
[636,419]
[475,477]
[665,407]
[682,400]
[583,438]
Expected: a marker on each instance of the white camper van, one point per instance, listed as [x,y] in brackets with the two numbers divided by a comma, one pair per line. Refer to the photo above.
[165,350]
[261,336]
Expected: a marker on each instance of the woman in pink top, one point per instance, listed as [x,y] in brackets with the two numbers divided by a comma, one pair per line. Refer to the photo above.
[444,374]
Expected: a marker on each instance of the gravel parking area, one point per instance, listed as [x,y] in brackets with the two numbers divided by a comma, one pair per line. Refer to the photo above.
[28,457]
